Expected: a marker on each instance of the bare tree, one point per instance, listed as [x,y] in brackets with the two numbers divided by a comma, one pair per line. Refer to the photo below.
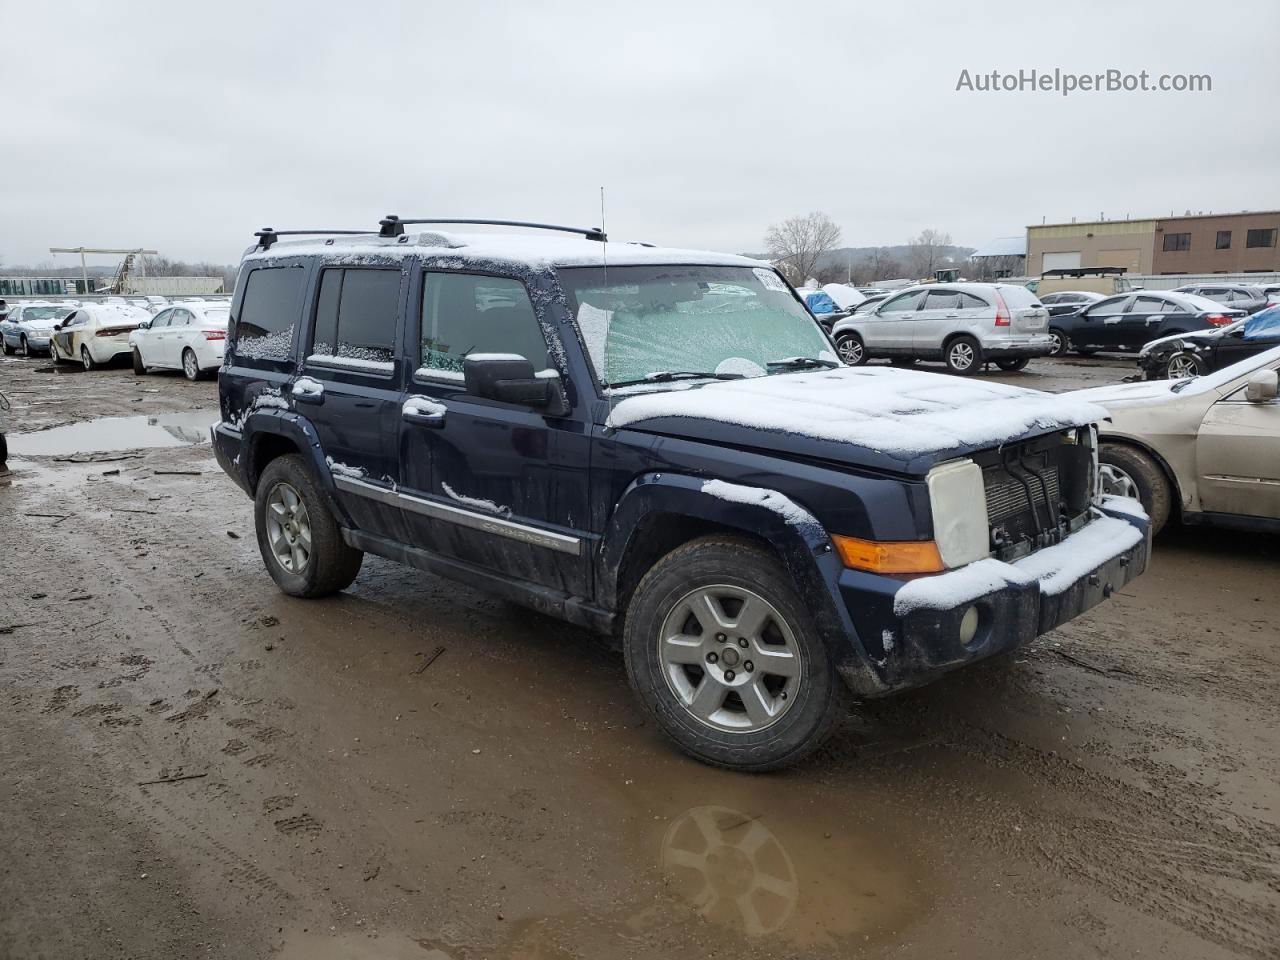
[927,251]
[797,244]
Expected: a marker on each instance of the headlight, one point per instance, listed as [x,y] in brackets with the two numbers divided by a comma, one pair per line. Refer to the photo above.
[958,500]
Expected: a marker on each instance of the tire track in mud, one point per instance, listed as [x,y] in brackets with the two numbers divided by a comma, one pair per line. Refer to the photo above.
[1160,853]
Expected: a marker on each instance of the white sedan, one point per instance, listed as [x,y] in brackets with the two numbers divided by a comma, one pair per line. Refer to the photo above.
[187,336]
[95,333]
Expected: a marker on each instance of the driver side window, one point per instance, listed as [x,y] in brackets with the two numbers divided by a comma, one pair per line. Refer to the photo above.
[464,314]
[908,301]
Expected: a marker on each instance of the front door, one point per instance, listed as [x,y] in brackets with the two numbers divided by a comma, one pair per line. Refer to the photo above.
[497,485]
[891,327]
[350,386]
[1099,325]
[1238,457]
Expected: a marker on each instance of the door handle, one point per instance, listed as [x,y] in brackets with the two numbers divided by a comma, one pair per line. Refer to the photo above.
[307,390]
[423,411]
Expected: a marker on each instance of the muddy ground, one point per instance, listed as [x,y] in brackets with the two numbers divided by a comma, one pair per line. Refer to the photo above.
[194,765]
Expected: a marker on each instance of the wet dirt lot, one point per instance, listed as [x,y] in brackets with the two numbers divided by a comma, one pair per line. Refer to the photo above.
[194,765]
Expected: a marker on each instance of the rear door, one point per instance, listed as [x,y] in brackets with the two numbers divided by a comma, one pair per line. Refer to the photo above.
[175,337]
[148,341]
[1238,457]
[1145,319]
[1098,327]
[938,315]
[350,388]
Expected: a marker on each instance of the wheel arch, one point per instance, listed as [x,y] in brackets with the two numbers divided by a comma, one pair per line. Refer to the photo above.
[1133,443]
[659,512]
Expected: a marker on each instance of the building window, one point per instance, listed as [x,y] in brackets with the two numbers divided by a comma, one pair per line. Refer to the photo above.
[1176,241]
[1261,238]
[1224,240]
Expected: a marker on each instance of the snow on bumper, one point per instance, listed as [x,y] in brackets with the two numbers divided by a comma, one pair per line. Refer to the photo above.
[923,628]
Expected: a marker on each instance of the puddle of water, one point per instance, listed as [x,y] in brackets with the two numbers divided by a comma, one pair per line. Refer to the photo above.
[109,434]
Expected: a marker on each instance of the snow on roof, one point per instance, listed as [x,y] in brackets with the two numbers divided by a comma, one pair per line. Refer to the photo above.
[901,413]
[1004,247]
[544,251]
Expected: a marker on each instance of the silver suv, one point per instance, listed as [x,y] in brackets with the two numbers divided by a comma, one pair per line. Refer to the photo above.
[966,325]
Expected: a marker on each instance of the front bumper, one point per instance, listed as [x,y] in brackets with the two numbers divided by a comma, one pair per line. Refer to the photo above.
[910,647]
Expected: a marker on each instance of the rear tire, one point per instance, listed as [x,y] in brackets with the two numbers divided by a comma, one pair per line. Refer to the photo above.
[1128,472]
[964,356]
[138,366]
[1061,342]
[851,350]
[1013,365]
[24,348]
[190,365]
[780,709]
[86,359]
[329,565]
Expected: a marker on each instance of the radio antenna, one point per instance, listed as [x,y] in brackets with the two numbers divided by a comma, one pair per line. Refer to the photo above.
[604,244]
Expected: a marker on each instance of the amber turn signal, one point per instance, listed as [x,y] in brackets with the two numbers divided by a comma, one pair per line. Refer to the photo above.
[903,556]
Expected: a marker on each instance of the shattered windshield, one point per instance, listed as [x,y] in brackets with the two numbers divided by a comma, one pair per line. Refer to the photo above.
[661,323]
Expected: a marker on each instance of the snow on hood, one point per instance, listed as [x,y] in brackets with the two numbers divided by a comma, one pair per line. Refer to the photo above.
[845,296]
[900,413]
[1148,391]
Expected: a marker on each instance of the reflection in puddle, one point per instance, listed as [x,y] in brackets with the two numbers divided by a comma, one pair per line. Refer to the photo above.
[732,869]
[806,884]
[116,433]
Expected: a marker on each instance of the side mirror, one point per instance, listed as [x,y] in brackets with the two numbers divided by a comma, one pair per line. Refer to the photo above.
[1262,386]
[509,378]
[145,325]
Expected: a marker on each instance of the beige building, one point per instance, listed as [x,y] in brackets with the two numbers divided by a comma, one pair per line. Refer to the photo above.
[1212,243]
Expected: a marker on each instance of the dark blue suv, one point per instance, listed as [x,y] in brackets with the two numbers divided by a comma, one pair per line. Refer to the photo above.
[660,445]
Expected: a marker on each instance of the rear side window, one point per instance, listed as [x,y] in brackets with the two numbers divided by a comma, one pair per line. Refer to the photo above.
[268,311]
[1114,305]
[356,315]
[969,302]
[1015,297]
[466,313]
[1150,305]
[941,300]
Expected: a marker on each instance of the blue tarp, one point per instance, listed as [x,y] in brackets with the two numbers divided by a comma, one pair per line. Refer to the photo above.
[820,302]
[1263,324]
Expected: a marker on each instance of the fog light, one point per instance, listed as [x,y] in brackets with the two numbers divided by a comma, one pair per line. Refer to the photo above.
[969,626]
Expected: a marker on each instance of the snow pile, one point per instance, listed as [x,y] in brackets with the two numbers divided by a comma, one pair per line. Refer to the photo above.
[423,406]
[487,505]
[1055,569]
[1127,506]
[845,296]
[780,504]
[901,413]
[352,363]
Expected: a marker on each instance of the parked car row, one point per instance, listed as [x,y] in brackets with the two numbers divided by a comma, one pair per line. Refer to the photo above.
[186,335]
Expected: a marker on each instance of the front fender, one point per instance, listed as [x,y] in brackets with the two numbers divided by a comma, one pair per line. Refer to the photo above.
[799,540]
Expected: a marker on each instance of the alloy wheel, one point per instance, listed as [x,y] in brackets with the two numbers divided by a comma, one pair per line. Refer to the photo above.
[730,658]
[288,528]
[189,365]
[1182,366]
[1058,346]
[850,350]
[1116,482]
[961,355]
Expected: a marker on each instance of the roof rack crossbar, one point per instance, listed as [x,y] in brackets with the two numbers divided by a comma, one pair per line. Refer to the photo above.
[393,226]
[269,235]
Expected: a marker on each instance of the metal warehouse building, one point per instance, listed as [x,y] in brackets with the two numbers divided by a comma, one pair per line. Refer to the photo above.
[1208,243]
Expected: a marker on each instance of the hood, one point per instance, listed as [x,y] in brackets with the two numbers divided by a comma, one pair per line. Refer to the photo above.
[43,323]
[1147,391]
[902,420]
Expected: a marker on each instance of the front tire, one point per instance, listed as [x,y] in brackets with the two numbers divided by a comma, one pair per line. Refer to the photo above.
[139,367]
[298,536]
[1129,472]
[24,348]
[851,349]
[964,356]
[723,653]
[1184,364]
[86,359]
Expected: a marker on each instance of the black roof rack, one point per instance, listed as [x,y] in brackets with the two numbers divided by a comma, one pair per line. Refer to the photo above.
[269,235]
[393,226]
[1082,271]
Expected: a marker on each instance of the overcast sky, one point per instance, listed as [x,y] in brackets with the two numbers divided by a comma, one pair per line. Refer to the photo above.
[186,128]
